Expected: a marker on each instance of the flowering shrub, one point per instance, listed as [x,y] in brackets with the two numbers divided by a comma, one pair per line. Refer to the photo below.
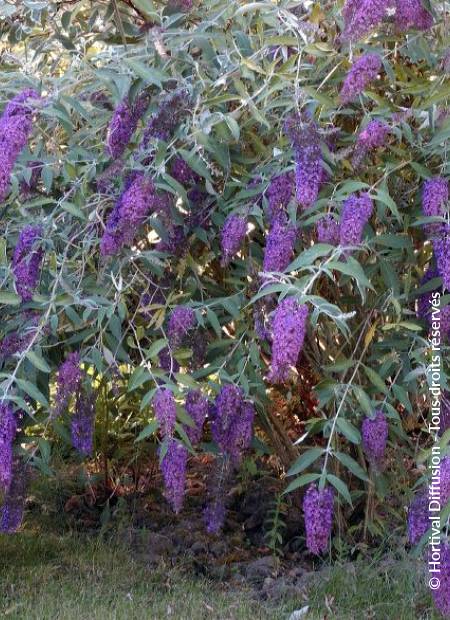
[229,197]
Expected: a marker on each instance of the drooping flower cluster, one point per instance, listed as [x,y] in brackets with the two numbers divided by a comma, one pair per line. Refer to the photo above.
[129,213]
[12,343]
[173,468]
[11,513]
[27,261]
[318,510]
[424,306]
[441,596]
[232,421]
[68,383]
[215,515]
[215,509]
[197,407]
[418,521]
[165,120]
[309,172]
[167,361]
[16,124]
[181,321]
[232,237]
[82,424]
[123,124]
[434,200]
[424,300]
[441,246]
[8,429]
[328,230]
[279,249]
[412,15]
[374,433]
[183,173]
[362,16]
[356,213]
[371,137]
[279,193]
[184,6]
[165,411]
[363,71]
[288,334]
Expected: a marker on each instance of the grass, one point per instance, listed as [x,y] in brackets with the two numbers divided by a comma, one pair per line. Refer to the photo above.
[73,577]
[50,573]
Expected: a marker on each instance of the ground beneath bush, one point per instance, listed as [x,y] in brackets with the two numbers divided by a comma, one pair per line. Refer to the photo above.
[79,557]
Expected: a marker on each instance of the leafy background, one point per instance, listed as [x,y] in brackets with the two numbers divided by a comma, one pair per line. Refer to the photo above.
[247,66]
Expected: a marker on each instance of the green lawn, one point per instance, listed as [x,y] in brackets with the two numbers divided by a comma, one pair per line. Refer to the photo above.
[77,578]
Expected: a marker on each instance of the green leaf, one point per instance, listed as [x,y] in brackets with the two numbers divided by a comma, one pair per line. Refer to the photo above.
[72,208]
[348,430]
[186,380]
[32,391]
[341,487]
[150,75]
[300,482]
[156,347]
[38,361]
[352,465]
[352,268]
[148,430]
[309,256]
[376,380]
[303,461]
[9,299]
[139,376]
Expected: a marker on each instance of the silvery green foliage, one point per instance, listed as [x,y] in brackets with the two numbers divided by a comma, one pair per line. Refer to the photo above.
[221,79]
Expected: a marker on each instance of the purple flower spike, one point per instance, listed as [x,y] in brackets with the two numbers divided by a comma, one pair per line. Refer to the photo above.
[11,513]
[8,429]
[364,70]
[362,16]
[82,425]
[165,411]
[412,15]
[371,137]
[328,230]
[279,249]
[181,321]
[27,261]
[418,522]
[232,422]
[318,509]
[137,201]
[123,124]
[288,329]
[173,467]
[279,193]
[441,595]
[232,237]
[434,201]
[69,380]
[374,433]
[215,515]
[309,172]
[183,173]
[441,246]
[16,125]
[355,215]
[164,121]
[197,408]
